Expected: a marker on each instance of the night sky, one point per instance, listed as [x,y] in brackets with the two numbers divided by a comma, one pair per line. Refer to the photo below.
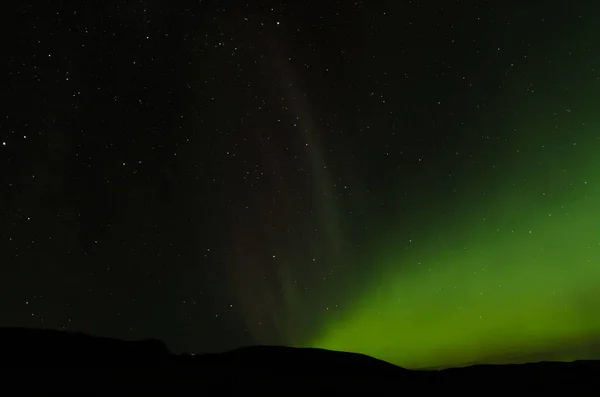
[417,181]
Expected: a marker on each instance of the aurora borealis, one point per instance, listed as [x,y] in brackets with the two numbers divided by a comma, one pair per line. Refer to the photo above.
[513,273]
[419,184]
[505,265]
[519,277]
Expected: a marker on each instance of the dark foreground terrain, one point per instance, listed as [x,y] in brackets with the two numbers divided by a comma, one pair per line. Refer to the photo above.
[67,362]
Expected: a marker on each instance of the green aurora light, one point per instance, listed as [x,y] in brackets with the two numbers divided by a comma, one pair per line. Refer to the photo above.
[514,274]
[498,262]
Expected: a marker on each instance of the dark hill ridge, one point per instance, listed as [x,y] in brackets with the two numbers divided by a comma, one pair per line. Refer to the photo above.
[315,361]
[21,347]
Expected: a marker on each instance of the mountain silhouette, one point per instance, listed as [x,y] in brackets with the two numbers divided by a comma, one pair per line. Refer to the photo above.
[149,365]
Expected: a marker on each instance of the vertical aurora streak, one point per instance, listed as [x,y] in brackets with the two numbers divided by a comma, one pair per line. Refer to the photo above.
[505,266]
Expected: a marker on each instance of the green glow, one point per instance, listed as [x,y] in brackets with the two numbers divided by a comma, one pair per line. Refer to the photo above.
[498,263]
[522,279]
[514,274]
